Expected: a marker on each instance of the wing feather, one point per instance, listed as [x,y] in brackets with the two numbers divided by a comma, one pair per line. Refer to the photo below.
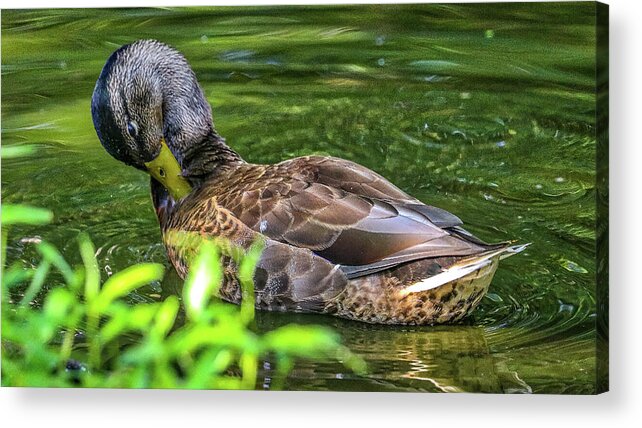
[344,212]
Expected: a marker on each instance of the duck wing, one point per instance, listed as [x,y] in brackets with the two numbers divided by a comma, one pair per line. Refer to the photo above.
[345,213]
[286,277]
[359,180]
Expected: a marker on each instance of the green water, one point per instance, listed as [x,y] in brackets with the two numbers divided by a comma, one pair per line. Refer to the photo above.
[487,111]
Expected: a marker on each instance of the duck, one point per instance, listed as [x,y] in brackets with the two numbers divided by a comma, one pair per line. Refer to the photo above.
[338,238]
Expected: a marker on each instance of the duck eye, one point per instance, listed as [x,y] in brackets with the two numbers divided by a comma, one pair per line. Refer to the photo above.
[132,129]
[161,172]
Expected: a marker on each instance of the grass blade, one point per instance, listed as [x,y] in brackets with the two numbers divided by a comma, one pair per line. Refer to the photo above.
[25,214]
[122,283]
[203,280]
[92,273]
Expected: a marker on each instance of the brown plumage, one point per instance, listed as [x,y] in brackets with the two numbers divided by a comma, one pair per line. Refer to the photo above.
[339,238]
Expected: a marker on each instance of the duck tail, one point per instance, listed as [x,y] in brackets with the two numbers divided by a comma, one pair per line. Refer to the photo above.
[464,267]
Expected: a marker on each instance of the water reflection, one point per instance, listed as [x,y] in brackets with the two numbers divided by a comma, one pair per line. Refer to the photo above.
[411,359]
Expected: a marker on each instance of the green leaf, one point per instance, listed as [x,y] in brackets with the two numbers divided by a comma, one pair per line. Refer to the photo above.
[16,151]
[57,304]
[351,360]
[124,318]
[312,342]
[142,354]
[53,256]
[231,335]
[203,280]
[122,283]
[249,366]
[92,285]
[16,275]
[141,316]
[37,282]
[117,324]
[246,277]
[25,214]
[209,364]
[92,273]
[165,317]
[302,341]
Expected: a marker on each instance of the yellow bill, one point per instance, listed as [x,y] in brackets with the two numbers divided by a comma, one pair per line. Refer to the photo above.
[166,170]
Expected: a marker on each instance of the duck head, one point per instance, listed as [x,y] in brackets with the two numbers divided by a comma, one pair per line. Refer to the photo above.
[150,112]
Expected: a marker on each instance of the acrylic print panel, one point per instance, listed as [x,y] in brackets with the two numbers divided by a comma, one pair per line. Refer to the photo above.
[418,147]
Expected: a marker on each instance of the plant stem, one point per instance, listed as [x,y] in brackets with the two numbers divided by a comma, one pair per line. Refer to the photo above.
[249,368]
